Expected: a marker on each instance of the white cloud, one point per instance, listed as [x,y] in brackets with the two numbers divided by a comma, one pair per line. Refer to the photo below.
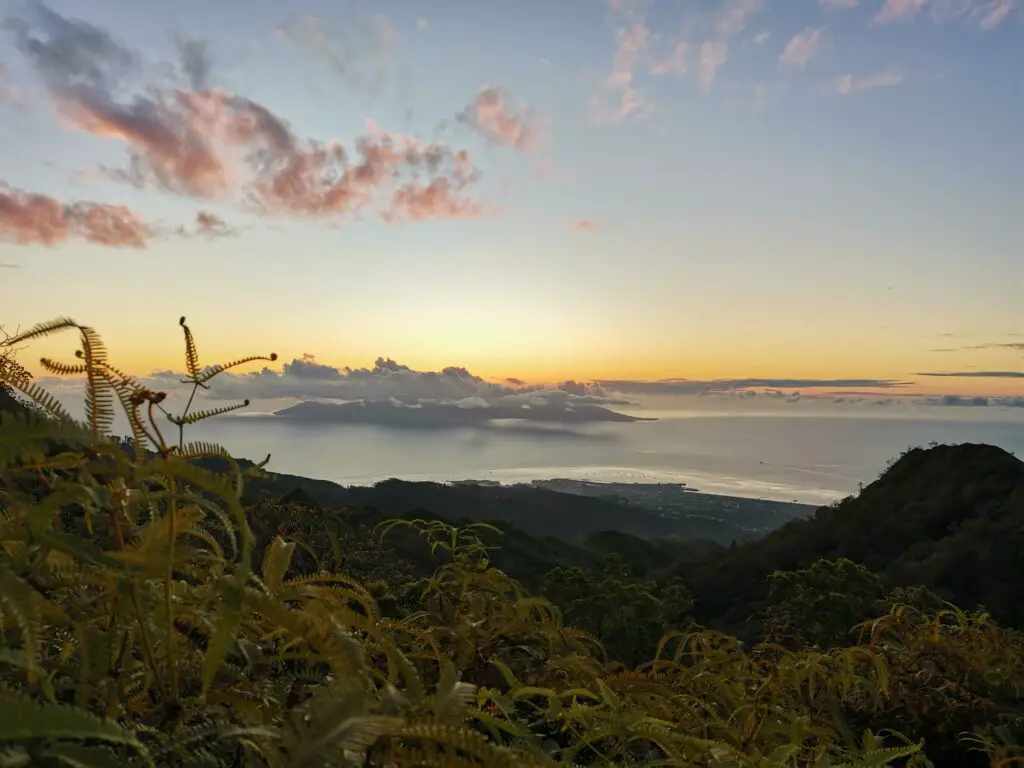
[848,84]
[802,47]
[713,55]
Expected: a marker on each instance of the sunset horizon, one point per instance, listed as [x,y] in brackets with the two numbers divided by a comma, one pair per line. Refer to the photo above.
[334,180]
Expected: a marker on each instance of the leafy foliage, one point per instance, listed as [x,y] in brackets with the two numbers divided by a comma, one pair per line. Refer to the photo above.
[149,617]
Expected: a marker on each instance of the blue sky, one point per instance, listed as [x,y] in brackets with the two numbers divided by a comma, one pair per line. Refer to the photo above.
[834,199]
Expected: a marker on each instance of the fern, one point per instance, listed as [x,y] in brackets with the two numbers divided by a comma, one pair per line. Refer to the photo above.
[24,720]
[147,616]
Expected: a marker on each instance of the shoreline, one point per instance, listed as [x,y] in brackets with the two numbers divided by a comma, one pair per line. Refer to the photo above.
[722,488]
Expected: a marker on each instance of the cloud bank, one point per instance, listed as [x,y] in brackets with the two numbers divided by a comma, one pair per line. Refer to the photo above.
[27,218]
[700,387]
[977,374]
[188,138]
[388,380]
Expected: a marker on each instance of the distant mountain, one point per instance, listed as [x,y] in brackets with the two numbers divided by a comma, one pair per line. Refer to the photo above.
[948,517]
[443,415]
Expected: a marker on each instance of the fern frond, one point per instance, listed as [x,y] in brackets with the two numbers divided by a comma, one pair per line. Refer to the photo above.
[203,450]
[192,418]
[22,719]
[81,756]
[26,438]
[41,329]
[14,758]
[126,395]
[62,369]
[191,353]
[41,397]
[213,370]
[453,697]
[99,400]
[225,629]
[464,740]
[18,600]
[275,563]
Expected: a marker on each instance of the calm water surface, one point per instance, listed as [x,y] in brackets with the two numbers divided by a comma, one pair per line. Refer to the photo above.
[812,456]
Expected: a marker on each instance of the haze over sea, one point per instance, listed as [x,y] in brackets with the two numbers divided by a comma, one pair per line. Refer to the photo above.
[809,452]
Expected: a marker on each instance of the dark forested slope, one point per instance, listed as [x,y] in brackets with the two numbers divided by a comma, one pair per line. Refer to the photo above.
[948,517]
[537,511]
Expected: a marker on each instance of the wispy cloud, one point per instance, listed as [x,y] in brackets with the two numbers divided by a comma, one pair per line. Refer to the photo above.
[696,386]
[840,3]
[849,84]
[491,114]
[437,199]
[985,14]
[619,97]
[995,13]
[734,15]
[713,55]
[211,223]
[27,218]
[675,63]
[631,46]
[703,49]
[898,10]
[585,225]
[1014,345]
[802,47]
[359,52]
[976,374]
[9,93]
[211,143]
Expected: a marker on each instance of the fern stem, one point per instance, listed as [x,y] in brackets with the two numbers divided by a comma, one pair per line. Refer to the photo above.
[184,414]
[161,444]
[172,533]
[147,643]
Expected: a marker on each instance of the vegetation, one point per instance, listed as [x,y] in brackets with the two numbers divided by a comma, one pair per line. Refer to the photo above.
[151,615]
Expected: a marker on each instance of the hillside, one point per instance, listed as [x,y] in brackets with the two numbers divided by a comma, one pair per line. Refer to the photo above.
[539,511]
[949,517]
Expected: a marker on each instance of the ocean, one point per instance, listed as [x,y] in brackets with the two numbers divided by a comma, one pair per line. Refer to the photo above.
[799,453]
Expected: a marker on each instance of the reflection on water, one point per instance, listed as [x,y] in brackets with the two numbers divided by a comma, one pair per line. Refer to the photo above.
[812,458]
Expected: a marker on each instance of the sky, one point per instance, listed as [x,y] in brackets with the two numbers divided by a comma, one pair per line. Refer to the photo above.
[812,195]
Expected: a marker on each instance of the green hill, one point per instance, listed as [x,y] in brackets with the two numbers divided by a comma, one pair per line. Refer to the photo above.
[948,517]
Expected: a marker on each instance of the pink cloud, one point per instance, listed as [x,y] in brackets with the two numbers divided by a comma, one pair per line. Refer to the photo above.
[713,55]
[209,143]
[213,144]
[27,218]
[585,225]
[995,13]
[898,10]
[491,114]
[848,84]
[622,104]
[631,44]
[439,199]
[673,64]
[734,16]
[801,48]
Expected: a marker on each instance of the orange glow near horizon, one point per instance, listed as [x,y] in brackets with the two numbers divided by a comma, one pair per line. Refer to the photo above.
[142,357]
